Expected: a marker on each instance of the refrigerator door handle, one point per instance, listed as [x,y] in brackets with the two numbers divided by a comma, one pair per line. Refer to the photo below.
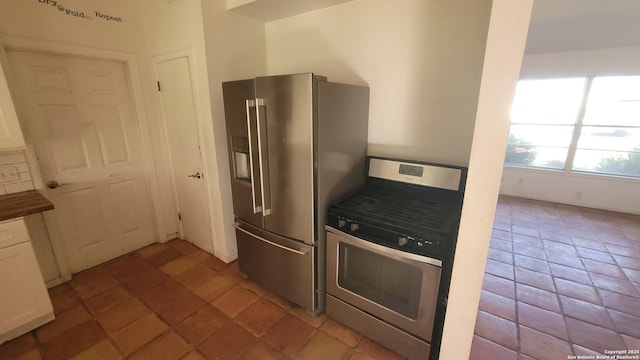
[295,251]
[263,159]
[255,200]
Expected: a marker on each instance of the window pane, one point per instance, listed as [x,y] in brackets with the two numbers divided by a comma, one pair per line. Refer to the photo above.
[536,156]
[614,101]
[609,138]
[548,101]
[609,162]
[558,135]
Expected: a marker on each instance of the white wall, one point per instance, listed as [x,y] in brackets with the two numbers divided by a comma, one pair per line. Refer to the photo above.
[421,59]
[597,191]
[235,49]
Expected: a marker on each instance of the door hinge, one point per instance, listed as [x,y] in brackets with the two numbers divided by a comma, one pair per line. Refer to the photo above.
[158,82]
[179,217]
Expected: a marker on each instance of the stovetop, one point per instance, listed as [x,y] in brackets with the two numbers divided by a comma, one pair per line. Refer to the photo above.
[395,213]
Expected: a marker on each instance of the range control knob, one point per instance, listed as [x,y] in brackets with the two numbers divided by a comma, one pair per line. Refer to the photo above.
[402,240]
[354,227]
[341,223]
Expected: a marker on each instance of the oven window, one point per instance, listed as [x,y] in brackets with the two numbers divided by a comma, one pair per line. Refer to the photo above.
[388,282]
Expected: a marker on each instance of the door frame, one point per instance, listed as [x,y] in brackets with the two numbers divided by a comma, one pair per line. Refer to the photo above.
[189,54]
[132,67]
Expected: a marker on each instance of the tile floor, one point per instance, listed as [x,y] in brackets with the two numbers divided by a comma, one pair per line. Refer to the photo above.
[560,280]
[174,301]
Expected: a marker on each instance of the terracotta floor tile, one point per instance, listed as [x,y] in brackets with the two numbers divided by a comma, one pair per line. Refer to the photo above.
[156,297]
[580,351]
[139,333]
[166,347]
[623,250]
[535,279]
[323,346]
[620,302]
[585,234]
[122,315]
[195,275]
[625,323]
[199,326]
[214,263]
[260,316]
[596,255]
[598,267]
[227,343]
[234,301]
[301,313]
[65,321]
[570,273]
[176,266]
[613,284]
[232,272]
[33,354]
[289,334]
[532,264]
[152,249]
[499,286]
[94,283]
[211,289]
[107,299]
[627,262]
[501,234]
[500,255]
[497,329]
[577,291]
[593,337]
[498,305]
[74,340]
[164,256]
[145,281]
[259,350]
[563,259]
[483,349]
[63,300]
[341,332]
[283,303]
[586,311]
[100,351]
[527,240]
[253,286]
[541,346]
[588,244]
[194,355]
[126,267]
[499,269]
[502,245]
[543,320]
[631,342]
[18,346]
[560,248]
[183,246]
[517,229]
[537,297]
[633,275]
[180,307]
[530,251]
[375,350]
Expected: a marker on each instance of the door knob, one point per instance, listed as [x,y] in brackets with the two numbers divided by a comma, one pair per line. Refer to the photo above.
[54,184]
[195,176]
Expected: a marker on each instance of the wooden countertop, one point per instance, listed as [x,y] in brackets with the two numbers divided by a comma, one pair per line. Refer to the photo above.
[23,203]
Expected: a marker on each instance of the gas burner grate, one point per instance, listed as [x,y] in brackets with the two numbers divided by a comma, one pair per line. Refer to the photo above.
[411,213]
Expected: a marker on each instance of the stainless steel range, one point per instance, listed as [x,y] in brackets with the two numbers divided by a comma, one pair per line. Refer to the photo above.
[390,252]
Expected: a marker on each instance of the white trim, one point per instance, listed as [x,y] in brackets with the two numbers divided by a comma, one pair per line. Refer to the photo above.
[132,67]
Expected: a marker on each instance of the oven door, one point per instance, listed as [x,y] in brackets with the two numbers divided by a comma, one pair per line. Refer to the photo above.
[397,287]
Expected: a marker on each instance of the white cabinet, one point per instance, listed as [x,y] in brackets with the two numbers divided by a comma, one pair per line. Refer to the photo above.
[24,300]
[10,133]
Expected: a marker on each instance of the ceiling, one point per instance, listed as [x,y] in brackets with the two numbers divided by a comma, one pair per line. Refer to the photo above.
[565,25]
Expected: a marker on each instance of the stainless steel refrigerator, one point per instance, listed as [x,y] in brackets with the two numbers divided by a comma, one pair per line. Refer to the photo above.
[296,143]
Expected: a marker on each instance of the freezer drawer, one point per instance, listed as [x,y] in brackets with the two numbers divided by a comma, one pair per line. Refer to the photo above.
[280,265]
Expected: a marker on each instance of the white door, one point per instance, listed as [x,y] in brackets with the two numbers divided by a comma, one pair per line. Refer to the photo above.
[180,116]
[80,118]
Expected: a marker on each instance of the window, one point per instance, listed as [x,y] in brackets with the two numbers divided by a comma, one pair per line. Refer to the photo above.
[577,124]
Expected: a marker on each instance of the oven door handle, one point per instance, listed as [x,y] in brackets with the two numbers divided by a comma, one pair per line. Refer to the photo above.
[383,250]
